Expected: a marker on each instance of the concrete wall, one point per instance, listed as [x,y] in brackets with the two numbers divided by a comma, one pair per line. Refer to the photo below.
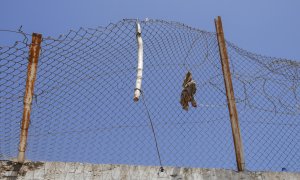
[60,170]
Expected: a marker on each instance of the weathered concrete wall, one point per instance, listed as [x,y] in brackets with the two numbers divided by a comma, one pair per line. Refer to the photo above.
[59,170]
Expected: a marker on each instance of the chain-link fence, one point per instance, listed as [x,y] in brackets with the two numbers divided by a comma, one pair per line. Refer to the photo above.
[267,94]
[83,108]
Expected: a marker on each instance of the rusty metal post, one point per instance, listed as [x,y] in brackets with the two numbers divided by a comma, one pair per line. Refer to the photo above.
[234,120]
[31,76]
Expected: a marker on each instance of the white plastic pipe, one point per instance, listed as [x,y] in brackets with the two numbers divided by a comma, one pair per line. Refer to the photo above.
[139,74]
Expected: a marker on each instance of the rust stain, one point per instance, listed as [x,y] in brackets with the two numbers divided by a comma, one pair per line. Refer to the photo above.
[31,77]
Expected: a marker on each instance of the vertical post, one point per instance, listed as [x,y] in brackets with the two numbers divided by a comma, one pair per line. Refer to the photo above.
[239,152]
[34,53]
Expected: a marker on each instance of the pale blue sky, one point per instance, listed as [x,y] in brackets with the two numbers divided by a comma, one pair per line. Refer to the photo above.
[269,28]
[266,27]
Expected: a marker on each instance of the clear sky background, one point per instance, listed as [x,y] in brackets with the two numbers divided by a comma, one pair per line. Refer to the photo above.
[68,100]
[265,27]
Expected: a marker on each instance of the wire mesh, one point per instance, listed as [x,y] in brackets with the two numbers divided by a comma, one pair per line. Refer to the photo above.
[267,93]
[13,68]
[83,108]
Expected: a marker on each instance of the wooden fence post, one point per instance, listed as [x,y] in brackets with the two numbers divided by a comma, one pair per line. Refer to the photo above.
[31,76]
[234,120]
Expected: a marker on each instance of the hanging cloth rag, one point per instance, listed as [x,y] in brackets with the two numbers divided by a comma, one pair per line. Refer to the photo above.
[188,92]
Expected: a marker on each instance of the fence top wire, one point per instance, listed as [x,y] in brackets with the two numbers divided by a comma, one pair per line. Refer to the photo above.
[83,99]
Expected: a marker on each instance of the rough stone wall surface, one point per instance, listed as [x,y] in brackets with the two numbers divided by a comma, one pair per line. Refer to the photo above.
[65,171]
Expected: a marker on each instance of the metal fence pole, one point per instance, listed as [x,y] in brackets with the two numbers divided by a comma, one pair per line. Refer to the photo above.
[31,76]
[239,152]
